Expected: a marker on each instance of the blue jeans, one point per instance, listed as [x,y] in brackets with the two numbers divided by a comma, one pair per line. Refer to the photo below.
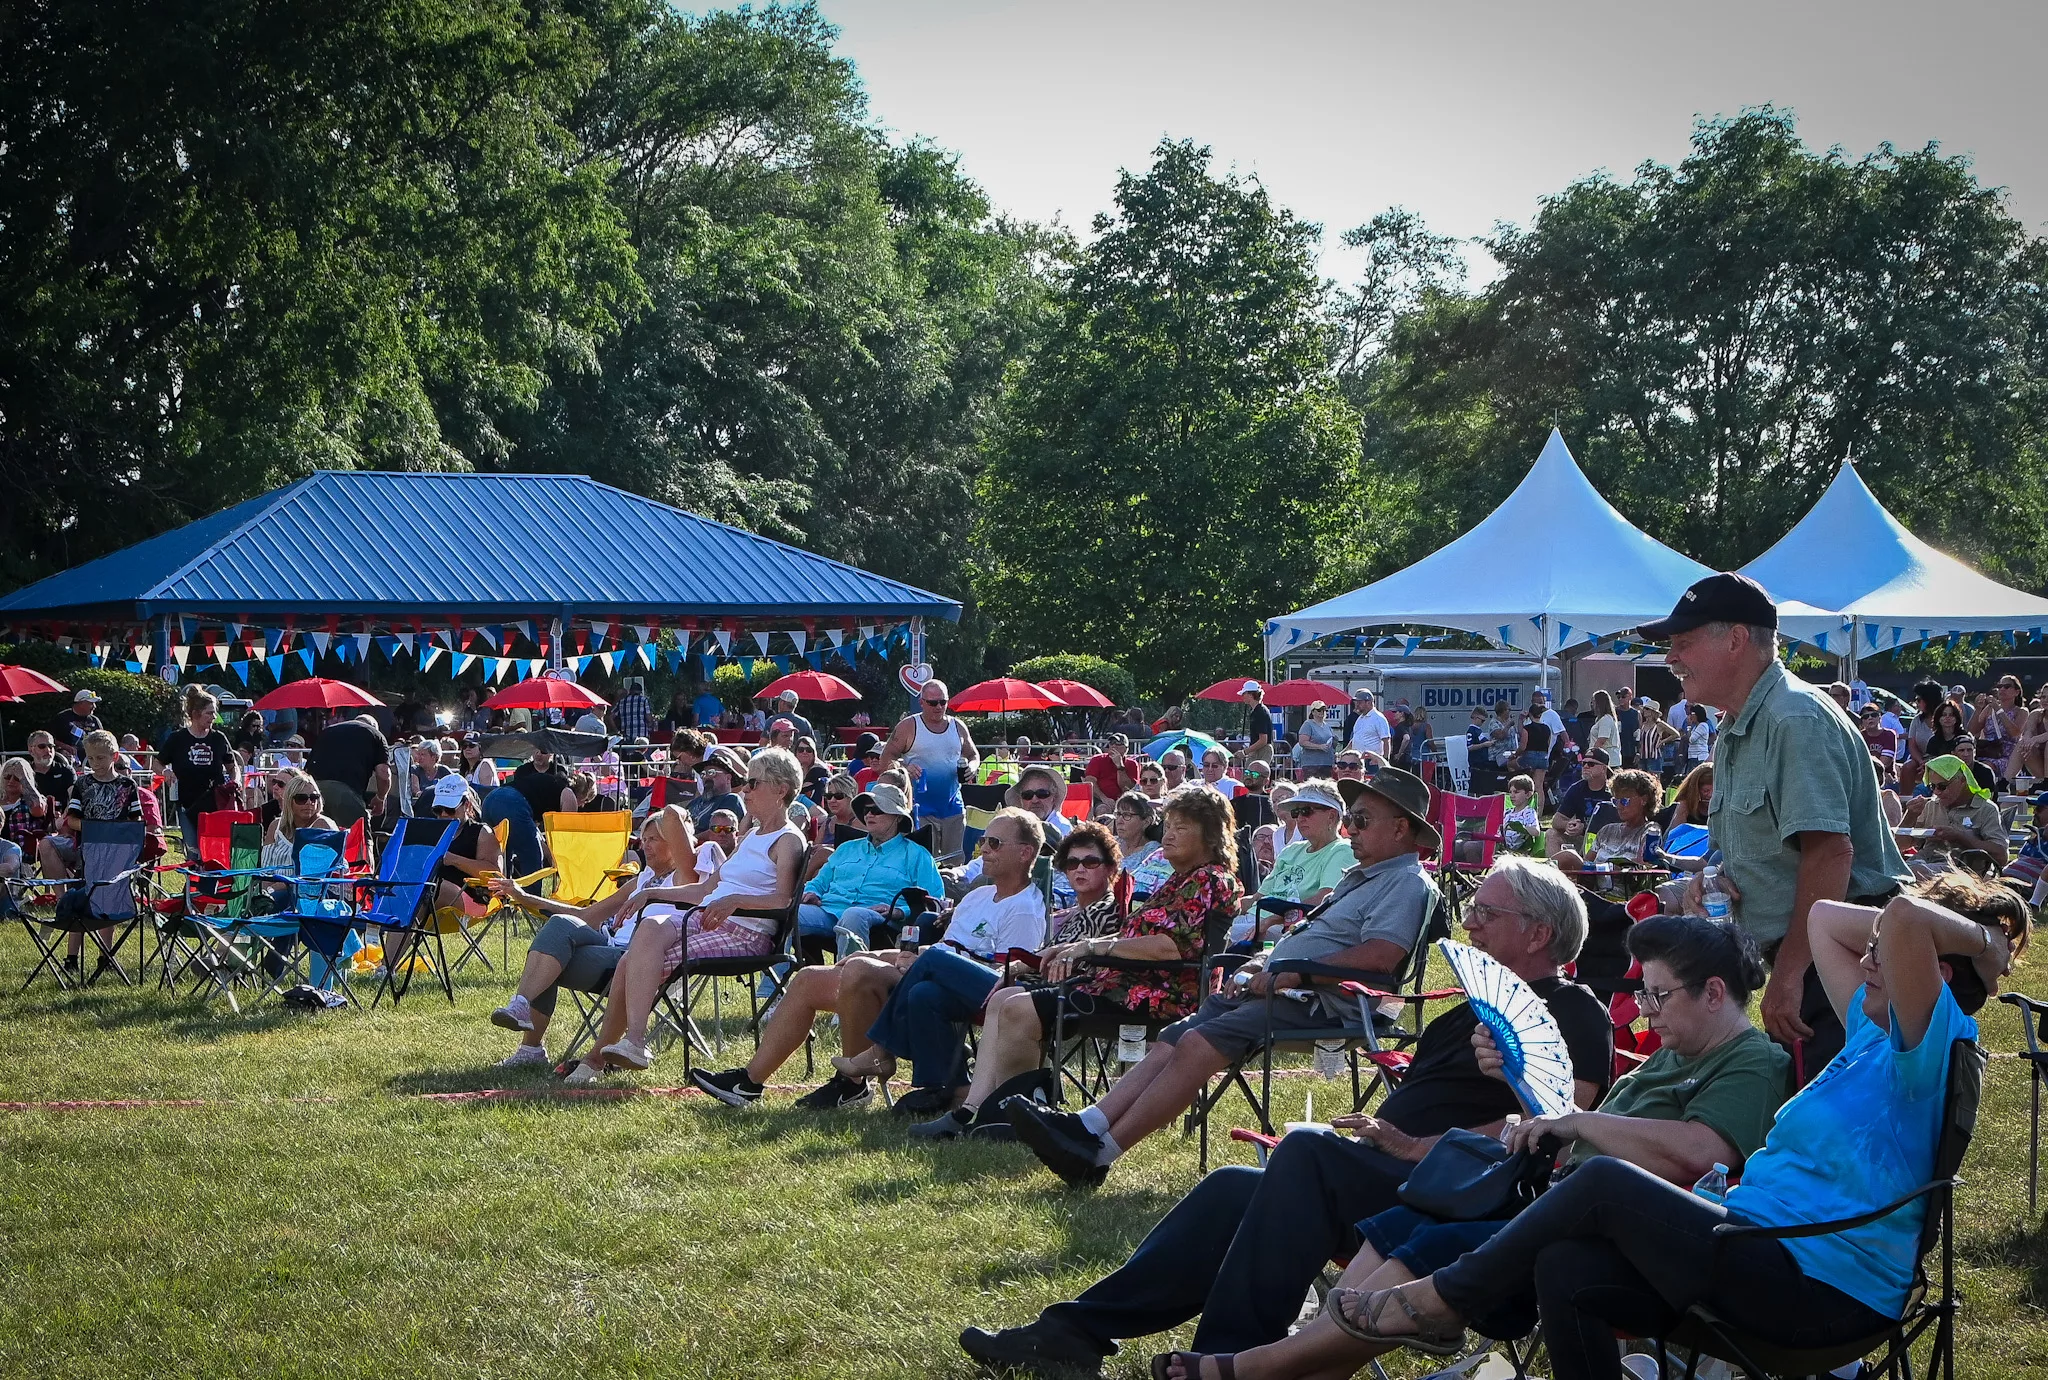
[926,1016]
[851,931]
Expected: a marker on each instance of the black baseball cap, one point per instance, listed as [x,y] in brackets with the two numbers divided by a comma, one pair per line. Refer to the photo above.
[1722,598]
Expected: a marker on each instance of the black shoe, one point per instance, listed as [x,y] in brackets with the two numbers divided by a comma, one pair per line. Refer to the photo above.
[1040,1348]
[924,1102]
[992,1130]
[947,1126]
[732,1087]
[1067,1147]
[74,964]
[838,1093]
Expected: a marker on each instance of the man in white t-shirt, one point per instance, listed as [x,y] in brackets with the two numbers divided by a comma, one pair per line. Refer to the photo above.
[1369,728]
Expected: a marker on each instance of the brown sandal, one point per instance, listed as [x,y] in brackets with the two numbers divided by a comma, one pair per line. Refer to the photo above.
[1191,1362]
[1422,1339]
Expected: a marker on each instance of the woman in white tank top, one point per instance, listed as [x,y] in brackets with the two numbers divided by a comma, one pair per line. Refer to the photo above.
[762,874]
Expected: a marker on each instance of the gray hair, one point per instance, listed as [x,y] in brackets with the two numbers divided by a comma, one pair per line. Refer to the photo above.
[778,765]
[1547,897]
[1760,638]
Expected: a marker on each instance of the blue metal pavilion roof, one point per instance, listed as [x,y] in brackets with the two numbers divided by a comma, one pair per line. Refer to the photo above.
[362,543]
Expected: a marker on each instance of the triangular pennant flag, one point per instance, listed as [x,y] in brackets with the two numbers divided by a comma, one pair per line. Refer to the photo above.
[816,657]
[796,635]
[220,652]
[582,665]
[710,667]
[642,632]
[1506,634]
[489,634]
[867,631]
[305,656]
[241,668]
[836,636]
[274,638]
[599,630]
[1898,634]
[781,665]
[761,641]
[275,662]
[179,652]
[648,651]
[405,641]
[747,667]
[533,667]
[143,651]
[362,641]
[492,666]
[320,641]
[447,636]
[1564,633]
[184,630]
[1820,640]
[461,661]
[1409,645]
[429,654]
[724,639]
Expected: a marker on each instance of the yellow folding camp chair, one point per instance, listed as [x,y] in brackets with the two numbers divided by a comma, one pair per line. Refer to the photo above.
[589,852]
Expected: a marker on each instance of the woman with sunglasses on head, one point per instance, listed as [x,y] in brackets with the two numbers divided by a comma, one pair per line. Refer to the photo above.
[1615,1245]
[761,874]
[479,770]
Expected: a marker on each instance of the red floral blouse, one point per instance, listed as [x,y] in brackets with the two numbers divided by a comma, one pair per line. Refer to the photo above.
[1177,910]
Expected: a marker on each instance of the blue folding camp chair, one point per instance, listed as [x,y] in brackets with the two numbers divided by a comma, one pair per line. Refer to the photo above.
[308,941]
[101,898]
[404,905]
[1686,841]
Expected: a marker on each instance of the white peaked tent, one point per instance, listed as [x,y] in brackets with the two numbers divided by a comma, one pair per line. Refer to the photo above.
[1554,566]
[1874,585]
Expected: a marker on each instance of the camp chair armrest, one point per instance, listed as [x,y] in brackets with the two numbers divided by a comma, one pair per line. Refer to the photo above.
[530,878]
[1139,965]
[2028,1007]
[1247,1136]
[1309,968]
[1359,989]
[1839,1225]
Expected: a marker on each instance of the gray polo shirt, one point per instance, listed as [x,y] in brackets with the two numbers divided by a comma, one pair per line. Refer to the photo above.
[1387,900]
[1790,761]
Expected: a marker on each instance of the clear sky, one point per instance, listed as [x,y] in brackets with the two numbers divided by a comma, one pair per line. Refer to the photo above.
[1464,112]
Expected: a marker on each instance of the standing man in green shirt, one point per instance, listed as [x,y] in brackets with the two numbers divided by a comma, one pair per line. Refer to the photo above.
[1796,816]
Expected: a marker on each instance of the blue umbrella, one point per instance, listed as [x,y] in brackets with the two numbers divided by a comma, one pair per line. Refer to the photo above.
[1188,741]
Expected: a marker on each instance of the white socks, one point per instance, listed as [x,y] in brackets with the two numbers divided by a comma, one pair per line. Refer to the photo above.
[1109,1151]
[1094,1120]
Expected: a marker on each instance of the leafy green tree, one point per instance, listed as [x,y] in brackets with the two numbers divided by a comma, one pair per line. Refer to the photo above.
[245,240]
[1176,463]
[1717,337]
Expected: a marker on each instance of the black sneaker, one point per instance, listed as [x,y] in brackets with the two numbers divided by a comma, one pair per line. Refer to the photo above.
[924,1102]
[992,1131]
[74,965]
[1037,1349]
[732,1087]
[1067,1147]
[838,1093]
[947,1126]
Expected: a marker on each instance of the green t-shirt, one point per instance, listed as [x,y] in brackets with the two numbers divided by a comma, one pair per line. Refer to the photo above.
[1735,1088]
[1297,872]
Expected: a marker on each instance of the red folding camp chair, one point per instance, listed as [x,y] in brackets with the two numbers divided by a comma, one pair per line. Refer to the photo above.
[1080,801]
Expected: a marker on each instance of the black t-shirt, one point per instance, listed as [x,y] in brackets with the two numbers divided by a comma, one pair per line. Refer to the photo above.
[56,783]
[1258,723]
[1444,1086]
[349,752]
[69,730]
[1539,736]
[1583,802]
[200,764]
[542,789]
[468,836]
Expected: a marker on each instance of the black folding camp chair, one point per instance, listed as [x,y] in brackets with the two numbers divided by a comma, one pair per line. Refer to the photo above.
[1930,1305]
[1369,1032]
[102,897]
[694,977]
[2034,1026]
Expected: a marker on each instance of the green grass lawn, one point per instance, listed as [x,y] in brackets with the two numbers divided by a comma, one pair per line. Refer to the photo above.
[318,1214]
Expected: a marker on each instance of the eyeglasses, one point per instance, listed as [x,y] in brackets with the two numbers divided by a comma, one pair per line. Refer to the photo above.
[995,843]
[1074,864]
[752,783]
[1034,795]
[301,798]
[1485,914]
[1653,998]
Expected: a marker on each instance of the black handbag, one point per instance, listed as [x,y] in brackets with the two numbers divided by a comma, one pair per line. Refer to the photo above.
[1468,1177]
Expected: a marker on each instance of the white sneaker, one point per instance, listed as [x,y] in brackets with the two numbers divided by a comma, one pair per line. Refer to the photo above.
[629,1053]
[583,1075]
[525,1054]
[516,1014]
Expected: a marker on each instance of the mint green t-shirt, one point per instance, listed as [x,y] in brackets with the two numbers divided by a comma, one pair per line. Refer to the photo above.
[1297,872]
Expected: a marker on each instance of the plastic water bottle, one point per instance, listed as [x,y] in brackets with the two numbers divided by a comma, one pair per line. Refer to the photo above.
[1713,1185]
[1713,896]
[1513,1120]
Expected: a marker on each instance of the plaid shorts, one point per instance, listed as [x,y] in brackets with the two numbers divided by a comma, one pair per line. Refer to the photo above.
[729,940]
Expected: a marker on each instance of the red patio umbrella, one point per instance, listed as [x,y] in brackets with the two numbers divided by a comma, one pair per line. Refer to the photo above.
[1075,695]
[1003,695]
[1227,689]
[318,692]
[17,682]
[809,685]
[1299,694]
[545,692]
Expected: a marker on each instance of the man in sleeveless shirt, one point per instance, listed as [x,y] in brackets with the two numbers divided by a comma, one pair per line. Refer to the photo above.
[935,748]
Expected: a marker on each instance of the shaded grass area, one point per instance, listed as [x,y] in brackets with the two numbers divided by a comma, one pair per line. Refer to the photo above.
[318,1216]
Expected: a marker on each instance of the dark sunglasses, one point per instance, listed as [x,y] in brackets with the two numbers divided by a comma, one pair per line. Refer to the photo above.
[719,829]
[1072,863]
[1034,795]
[1303,811]
[837,795]
[299,798]
[935,703]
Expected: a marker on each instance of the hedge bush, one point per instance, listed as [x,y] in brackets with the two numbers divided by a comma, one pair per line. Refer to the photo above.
[141,705]
[1092,671]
